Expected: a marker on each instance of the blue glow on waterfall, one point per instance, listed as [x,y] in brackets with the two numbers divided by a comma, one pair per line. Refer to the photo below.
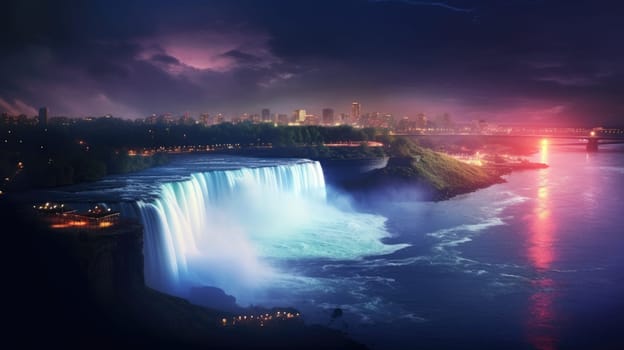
[233,229]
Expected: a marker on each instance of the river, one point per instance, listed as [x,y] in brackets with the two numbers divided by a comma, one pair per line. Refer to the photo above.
[533,263]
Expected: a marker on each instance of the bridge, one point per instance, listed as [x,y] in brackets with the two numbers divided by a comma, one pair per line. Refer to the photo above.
[590,138]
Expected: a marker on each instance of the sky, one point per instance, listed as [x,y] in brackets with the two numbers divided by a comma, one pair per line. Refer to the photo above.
[507,61]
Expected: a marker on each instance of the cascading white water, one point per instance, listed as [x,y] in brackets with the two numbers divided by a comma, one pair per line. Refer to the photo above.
[220,228]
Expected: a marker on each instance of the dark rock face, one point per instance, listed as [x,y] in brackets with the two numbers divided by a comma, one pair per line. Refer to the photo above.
[400,161]
[111,260]
[367,185]
[342,171]
[214,298]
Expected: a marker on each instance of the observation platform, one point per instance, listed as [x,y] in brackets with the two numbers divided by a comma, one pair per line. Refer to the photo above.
[58,216]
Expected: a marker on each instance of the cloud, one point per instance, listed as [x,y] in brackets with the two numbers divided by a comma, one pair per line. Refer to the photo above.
[101,104]
[17,107]
[232,57]
[568,80]
[218,51]
[243,58]
[276,78]
[166,59]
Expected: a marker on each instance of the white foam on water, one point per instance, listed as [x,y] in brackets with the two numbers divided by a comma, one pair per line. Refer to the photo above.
[221,228]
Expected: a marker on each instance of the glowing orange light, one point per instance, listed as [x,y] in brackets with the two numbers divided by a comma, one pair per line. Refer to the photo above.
[540,251]
[544,151]
[59,226]
[542,192]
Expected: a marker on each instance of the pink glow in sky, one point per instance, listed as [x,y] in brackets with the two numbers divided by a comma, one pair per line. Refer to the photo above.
[205,50]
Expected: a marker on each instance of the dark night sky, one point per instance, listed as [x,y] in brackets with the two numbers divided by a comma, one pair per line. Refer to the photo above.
[501,60]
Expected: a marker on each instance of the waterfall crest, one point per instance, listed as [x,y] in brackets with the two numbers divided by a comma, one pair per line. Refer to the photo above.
[220,228]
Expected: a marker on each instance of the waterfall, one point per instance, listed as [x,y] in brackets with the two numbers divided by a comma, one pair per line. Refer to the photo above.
[219,228]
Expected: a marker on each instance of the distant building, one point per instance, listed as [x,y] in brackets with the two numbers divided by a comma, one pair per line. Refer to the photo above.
[282,119]
[166,118]
[403,124]
[65,121]
[300,115]
[345,118]
[186,119]
[43,116]
[204,119]
[311,119]
[480,125]
[266,115]
[328,116]
[376,120]
[421,121]
[355,112]
[444,121]
[483,125]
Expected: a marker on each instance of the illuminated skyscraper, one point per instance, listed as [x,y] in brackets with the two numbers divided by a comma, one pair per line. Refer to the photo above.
[300,115]
[355,112]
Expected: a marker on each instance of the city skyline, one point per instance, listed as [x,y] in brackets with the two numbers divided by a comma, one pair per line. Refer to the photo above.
[302,117]
[471,59]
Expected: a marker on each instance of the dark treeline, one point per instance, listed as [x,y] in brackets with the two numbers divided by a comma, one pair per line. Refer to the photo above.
[129,134]
[86,150]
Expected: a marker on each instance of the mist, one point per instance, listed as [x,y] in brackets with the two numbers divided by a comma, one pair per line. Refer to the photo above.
[239,229]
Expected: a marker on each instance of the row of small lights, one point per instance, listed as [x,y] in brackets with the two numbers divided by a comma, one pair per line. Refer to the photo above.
[49,206]
[259,318]
[191,147]
[97,209]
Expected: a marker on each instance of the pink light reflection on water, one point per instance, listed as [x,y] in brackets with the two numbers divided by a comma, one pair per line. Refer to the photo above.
[541,254]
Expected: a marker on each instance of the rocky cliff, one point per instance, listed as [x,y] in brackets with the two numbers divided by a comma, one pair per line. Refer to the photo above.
[80,288]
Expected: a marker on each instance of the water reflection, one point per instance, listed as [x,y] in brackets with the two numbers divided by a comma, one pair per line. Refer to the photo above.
[541,255]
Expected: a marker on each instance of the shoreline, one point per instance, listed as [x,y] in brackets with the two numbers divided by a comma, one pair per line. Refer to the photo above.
[401,177]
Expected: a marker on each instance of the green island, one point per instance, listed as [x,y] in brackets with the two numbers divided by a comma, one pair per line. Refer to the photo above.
[439,175]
